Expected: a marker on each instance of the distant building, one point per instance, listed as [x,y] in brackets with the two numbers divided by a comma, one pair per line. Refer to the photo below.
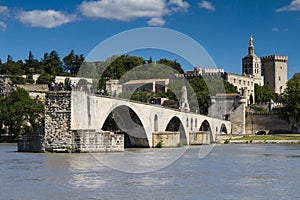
[267,70]
[274,69]
[204,72]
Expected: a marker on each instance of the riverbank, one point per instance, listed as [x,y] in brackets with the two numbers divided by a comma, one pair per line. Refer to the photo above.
[262,139]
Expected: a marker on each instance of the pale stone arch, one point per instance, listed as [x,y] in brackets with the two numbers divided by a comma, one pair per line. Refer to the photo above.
[206,127]
[131,124]
[175,124]
[223,129]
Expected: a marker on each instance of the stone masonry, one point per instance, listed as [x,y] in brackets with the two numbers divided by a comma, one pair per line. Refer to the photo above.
[60,137]
[58,134]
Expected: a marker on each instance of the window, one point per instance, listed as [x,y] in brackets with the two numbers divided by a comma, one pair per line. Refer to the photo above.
[244,82]
[187,122]
[196,123]
[279,78]
[234,80]
[240,81]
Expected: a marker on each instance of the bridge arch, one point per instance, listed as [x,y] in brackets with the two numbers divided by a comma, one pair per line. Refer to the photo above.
[223,129]
[175,124]
[206,127]
[124,119]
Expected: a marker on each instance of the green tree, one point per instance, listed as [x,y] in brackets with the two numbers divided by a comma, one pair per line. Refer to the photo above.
[45,78]
[31,64]
[263,94]
[174,64]
[52,63]
[291,101]
[21,113]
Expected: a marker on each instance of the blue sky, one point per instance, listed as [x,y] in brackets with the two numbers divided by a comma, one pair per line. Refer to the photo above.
[222,27]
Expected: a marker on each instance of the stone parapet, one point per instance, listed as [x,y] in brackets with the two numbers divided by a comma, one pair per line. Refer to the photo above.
[274,58]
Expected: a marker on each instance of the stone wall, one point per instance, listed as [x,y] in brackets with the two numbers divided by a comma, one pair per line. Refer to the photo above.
[31,142]
[168,138]
[200,137]
[98,141]
[60,138]
[58,134]
[267,122]
[230,107]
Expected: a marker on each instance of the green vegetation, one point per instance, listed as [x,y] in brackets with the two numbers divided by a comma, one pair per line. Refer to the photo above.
[20,113]
[291,101]
[263,94]
[49,66]
[271,137]
[159,144]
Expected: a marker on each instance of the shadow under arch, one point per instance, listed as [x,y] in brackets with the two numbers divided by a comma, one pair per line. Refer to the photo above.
[123,119]
[176,125]
[223,129]
[205,127]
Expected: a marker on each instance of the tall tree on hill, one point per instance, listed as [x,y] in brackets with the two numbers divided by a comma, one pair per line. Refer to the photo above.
[52,63]
[174,64]
[73,62]
[291,101]
[31,64]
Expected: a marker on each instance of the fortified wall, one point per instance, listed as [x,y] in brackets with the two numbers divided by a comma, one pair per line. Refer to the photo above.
[267,121]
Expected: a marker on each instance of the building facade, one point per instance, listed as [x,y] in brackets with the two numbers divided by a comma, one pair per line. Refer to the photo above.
[274,69]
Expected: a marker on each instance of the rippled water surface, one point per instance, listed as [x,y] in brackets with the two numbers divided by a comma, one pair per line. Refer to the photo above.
[228,172]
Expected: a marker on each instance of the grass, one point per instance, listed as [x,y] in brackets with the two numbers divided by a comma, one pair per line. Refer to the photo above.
[271,137]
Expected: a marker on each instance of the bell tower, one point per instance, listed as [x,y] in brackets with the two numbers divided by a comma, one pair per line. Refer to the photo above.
[251,64]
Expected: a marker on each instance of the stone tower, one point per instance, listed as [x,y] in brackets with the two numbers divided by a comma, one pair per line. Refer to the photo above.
[251,63]
[274,69]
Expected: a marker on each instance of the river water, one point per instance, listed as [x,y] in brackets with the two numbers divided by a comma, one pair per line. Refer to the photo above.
[226,172]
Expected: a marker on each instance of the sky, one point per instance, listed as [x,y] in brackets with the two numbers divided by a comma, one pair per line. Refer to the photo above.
[221,27]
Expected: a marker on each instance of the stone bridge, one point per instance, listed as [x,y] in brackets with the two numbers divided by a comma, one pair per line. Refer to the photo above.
[77,121]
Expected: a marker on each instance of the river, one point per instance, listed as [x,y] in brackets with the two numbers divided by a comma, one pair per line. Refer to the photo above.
[226,172]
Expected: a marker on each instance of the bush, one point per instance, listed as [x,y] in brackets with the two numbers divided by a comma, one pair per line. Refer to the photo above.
[18,80]
[159,144]
[45,78]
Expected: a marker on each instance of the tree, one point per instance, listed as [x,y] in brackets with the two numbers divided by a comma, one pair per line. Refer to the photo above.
[52,63]
[21,113]
[263,94]
[45,78]
[174,64]
[73,62]
[291,101]
[31,65]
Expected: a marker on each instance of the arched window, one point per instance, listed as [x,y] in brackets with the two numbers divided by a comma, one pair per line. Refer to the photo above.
[187,122]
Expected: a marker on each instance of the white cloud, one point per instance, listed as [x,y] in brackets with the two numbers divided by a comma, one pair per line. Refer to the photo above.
[156,21]
[45,18]
[125,10]
[206,5]
[275,29]
[293,6]
[3,9]
[3,25]
[178,5]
